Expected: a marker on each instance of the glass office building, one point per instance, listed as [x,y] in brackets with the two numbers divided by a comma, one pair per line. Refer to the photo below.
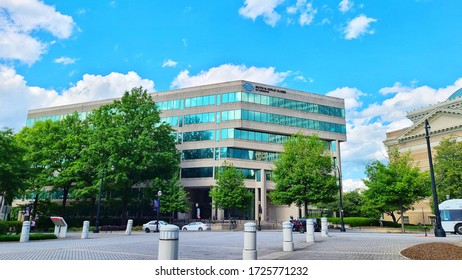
[244,123]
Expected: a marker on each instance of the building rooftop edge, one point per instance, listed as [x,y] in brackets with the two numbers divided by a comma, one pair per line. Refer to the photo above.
[174,91]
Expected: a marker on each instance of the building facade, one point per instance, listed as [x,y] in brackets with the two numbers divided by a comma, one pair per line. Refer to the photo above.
[445,119]
[240,122]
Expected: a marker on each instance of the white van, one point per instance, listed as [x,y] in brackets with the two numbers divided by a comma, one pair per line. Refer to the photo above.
[451,215]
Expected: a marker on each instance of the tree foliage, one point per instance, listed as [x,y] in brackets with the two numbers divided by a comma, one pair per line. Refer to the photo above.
[14,169]
[448,168]
[395,186]
[174,197]
[303,173]
[230,191]
[128,140]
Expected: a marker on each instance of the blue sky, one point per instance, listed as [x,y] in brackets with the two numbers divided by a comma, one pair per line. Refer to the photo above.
[385,57]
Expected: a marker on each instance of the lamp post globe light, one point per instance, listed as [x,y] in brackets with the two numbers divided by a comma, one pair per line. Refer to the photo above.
[439,231]
[342,224]
[159,194]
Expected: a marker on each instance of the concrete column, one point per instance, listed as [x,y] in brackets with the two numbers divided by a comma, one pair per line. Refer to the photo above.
[256,196]
[168,242]
[85,229]
[25,232]
[250,242]
[309,231]
[288,244]
[128,230]
[324,230]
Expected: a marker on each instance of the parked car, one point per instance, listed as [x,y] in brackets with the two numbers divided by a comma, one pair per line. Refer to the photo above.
[152,225]
[197,226]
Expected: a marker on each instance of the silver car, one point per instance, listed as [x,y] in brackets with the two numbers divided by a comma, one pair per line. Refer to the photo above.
[197,226]
[152,225]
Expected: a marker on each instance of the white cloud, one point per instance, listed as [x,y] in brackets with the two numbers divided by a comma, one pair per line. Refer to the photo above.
[169,63]
[16,97]
[358,26]
[229,72]
[307,16]
[18,22]
[307,12]
[255,8]
[345,5]
[349,185]
[65,60]
[351,96]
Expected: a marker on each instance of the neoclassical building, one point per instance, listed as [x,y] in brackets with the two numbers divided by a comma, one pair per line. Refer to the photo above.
[445,119]
[241,122]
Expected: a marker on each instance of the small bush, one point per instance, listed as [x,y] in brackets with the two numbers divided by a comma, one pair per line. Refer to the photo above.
[42,236]
[10,227]
[35,236]
[355,221]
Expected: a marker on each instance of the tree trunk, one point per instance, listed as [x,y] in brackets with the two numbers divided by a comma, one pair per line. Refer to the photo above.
[392,215]
[63,207]
[34,212]
[401,210]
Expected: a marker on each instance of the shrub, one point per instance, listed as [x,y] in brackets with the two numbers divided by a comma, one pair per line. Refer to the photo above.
[355,221]
[10,227]
[35,236]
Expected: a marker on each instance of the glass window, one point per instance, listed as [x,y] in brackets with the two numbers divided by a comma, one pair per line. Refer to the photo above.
[245,96]
[198,172]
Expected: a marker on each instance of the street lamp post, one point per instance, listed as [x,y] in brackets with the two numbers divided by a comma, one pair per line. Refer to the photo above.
[342,224]
[96,229]
[159,194]
[439,231]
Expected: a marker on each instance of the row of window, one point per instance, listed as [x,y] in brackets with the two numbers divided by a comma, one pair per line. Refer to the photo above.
[282,103]
[207,172]
[251,98]
[31,122]
[256,117]
[228,152]
[234,133]
[282,120]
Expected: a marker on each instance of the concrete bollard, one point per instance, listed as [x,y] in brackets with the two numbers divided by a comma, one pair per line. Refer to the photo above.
[324,230]
[85,229]
[288,244]
[128,231]
[250,242]
[25,232]
[309,231]
[168,242]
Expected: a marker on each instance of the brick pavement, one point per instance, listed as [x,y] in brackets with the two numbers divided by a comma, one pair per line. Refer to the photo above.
[221,245]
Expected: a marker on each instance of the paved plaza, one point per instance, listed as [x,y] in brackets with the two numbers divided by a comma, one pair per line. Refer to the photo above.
[221,245]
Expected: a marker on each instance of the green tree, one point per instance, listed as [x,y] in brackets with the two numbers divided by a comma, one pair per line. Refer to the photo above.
[448,168]
[14,169]
[303,173]
[73,134]
[352,205]
[40,141]
[395,186]
[230,191]
[128,140]
[174,197]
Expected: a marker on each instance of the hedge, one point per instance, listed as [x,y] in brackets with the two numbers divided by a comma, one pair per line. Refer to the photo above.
[355,221]
[35,236]
[10,227]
